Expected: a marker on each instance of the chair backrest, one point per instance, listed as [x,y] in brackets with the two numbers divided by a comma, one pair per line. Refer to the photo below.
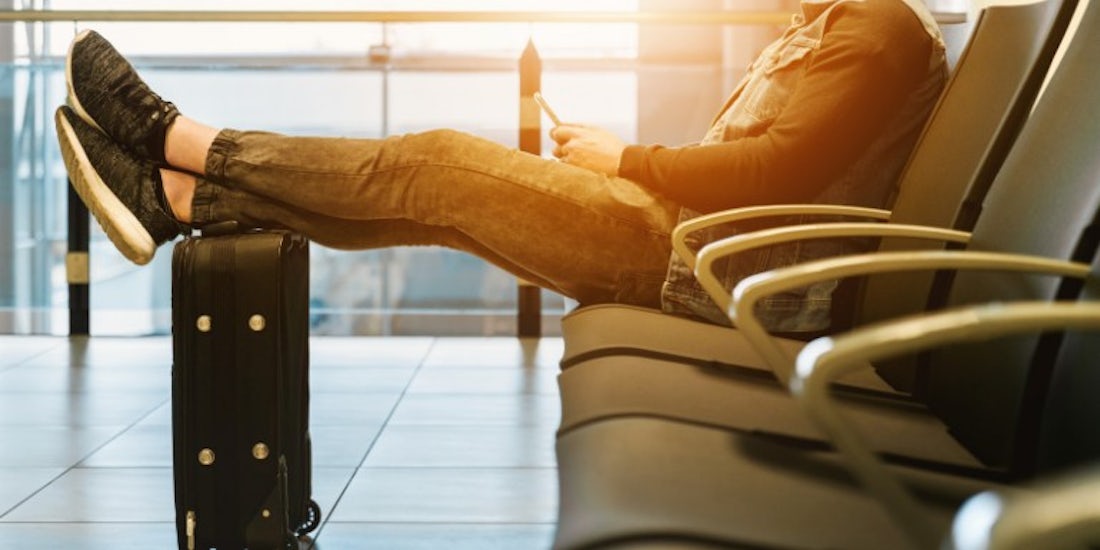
[1067,435]
[968,136]
[1044,201]
[981,111]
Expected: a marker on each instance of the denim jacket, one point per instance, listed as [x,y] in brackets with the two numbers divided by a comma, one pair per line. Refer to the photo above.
[754,104]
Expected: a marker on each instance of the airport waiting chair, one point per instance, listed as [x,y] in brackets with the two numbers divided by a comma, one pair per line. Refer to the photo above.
[968,134]
[1054,447]
[748,398]
[651,477]
[645,482]
[1011,237]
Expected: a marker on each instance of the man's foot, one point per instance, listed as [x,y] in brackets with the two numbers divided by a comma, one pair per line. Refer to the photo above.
[106,91]
[123,193]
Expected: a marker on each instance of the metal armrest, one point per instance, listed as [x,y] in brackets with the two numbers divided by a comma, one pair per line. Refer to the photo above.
[681,232]
[711,253]
[825,360]
[1058,513]
[756,287]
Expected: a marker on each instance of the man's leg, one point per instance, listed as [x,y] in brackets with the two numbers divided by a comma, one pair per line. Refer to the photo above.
[254,211]
[590,237]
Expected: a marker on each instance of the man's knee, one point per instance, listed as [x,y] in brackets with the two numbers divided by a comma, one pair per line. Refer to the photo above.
[446,145]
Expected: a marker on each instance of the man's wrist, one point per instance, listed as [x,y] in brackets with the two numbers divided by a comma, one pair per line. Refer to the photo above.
[629,162]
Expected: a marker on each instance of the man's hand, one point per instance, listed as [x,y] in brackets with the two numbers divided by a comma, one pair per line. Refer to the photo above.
[588,147]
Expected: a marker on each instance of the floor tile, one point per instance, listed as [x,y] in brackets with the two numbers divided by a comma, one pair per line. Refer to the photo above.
[56,446]
[161,416]
[17,349]
[88,536]
[462,446]
[342,445]
[349,409]
[390,536]
[405,352]
[451,495]
[360,380]
[486,381]
[102,495]
[30,378]
[478,410]
[80,351]
[16,484]
[462,353]
[77,410]
[138,447]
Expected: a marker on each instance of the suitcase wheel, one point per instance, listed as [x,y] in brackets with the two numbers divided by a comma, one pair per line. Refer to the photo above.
[313,518]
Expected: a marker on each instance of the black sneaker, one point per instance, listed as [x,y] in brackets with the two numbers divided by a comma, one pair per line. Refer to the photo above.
[123,193]
[106,91]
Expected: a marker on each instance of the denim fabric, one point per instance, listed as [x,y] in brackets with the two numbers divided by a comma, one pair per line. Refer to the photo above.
[755,103]
[587,236]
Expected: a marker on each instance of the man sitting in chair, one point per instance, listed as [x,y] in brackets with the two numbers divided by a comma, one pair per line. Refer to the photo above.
[828,113]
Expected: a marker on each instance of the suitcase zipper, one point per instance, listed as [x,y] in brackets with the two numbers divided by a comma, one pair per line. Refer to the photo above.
[191,530]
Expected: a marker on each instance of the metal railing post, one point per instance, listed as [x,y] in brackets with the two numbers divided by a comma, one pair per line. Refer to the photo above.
[529,297]
[77,268]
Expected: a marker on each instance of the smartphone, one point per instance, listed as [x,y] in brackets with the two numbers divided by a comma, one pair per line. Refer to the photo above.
[546,108]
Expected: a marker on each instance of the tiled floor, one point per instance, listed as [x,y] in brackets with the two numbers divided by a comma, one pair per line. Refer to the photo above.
[419,443]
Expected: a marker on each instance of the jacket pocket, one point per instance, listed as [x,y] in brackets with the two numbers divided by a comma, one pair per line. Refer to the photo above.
[776,79]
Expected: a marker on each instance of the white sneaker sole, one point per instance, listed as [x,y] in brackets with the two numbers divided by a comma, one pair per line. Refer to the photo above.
[73,101]
[121,226]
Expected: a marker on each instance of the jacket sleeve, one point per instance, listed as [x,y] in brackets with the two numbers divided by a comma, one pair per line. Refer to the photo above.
[854,84]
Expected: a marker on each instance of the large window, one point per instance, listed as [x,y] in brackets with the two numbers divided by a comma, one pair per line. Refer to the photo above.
[354,79]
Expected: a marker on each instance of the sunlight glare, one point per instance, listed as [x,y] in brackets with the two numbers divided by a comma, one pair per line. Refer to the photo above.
[577,40]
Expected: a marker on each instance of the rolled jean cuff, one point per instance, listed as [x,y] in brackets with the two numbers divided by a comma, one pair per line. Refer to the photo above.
[202,203]
[225,144]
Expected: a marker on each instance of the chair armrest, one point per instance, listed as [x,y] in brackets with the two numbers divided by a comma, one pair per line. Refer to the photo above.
[711,253]
[755,287]
[1057,513]
[681,232]
[825,360]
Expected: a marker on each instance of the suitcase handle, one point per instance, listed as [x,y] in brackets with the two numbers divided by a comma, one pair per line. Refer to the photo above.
[221,228]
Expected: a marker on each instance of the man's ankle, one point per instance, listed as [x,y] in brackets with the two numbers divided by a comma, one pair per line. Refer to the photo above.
[179,189]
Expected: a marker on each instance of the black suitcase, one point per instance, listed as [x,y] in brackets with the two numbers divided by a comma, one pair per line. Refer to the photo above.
[240,391]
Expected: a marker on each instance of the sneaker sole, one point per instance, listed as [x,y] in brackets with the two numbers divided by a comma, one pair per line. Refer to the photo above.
[73,101]
[121,226]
